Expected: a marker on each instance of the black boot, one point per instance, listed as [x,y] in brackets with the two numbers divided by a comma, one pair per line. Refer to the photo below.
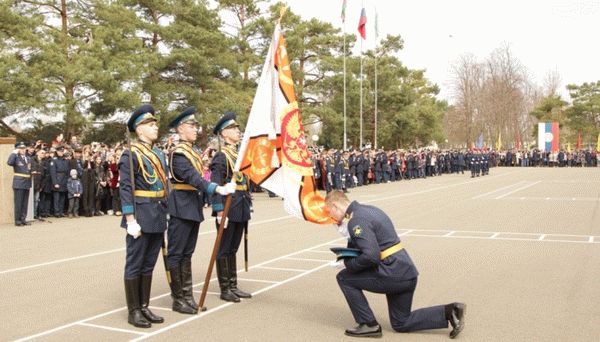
[233,278]
[145,300]
[179,303]
[455,314]
[223,276]
[187,287]
[132,295]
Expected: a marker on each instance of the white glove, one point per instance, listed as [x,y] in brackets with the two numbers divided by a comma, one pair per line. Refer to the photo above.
[219,220]
[343,229]
[226,189]
[338,265]
[134,229]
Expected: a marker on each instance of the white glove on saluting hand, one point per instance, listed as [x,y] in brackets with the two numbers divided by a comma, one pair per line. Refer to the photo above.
[226,189]
[134,229]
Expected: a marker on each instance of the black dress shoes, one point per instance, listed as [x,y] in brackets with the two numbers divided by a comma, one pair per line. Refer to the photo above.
[363,330]
[457,319]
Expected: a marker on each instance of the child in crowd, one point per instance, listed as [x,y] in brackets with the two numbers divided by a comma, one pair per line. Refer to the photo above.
[74,187]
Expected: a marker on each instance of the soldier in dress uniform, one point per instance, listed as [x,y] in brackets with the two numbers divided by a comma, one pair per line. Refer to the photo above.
[236,222]
[144,208]
[383,266]
[185,209]
[21,165]
[59,174]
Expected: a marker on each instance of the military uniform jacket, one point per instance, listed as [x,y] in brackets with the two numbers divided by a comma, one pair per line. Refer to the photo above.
[22,167]
[372,231]
[37,174]
[59,173]
[221,169]
[149,167]
[186,170]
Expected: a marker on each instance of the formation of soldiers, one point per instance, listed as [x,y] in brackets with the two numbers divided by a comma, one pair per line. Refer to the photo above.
[342,170]
[159,197]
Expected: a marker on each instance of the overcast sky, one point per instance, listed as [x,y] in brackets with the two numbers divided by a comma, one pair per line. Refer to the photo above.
[545,36]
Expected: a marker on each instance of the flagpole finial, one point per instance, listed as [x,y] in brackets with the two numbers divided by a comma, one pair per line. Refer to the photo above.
[282,11]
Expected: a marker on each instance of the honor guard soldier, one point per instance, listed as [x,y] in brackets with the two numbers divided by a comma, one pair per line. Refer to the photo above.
[21,164]
[143,190]
[383,266]
[185,209]
[236,222]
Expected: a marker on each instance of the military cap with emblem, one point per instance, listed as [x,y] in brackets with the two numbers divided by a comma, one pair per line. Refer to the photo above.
[60,148]
[142,115]
[187,116]
[20,144]
[226,121]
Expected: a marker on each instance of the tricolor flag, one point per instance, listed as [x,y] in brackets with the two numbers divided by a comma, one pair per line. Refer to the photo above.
[548,136]
[344,11]
[362,24]
[274,153]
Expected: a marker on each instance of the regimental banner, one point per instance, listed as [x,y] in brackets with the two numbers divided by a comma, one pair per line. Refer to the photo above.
[548,136]
[274,152]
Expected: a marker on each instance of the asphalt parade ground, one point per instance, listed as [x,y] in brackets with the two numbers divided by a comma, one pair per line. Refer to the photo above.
[521,247]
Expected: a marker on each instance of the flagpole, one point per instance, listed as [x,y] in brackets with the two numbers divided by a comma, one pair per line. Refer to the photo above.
[376,36]
[361,93]
[345,126]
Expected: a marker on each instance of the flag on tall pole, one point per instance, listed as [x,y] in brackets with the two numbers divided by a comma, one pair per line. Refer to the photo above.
[362,30]
[362,23]
[344,11]
[274,151]
[578,147]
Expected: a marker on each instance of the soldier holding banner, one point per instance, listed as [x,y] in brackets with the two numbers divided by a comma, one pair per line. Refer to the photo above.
[236,224]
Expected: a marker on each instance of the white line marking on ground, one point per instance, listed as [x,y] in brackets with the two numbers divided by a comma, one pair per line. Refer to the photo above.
[43,333]
[542,237]
[62,260]
[493,191]
[112,329]
[494,235]
[258,280]
[283,269]
[208,292]
[307,259]
[449,233]
[518,189]
[159,308]
[591,239]
[324,252]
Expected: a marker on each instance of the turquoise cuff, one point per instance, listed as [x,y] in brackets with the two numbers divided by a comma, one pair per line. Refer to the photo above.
[217,207]
[211,188]
[127,209]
